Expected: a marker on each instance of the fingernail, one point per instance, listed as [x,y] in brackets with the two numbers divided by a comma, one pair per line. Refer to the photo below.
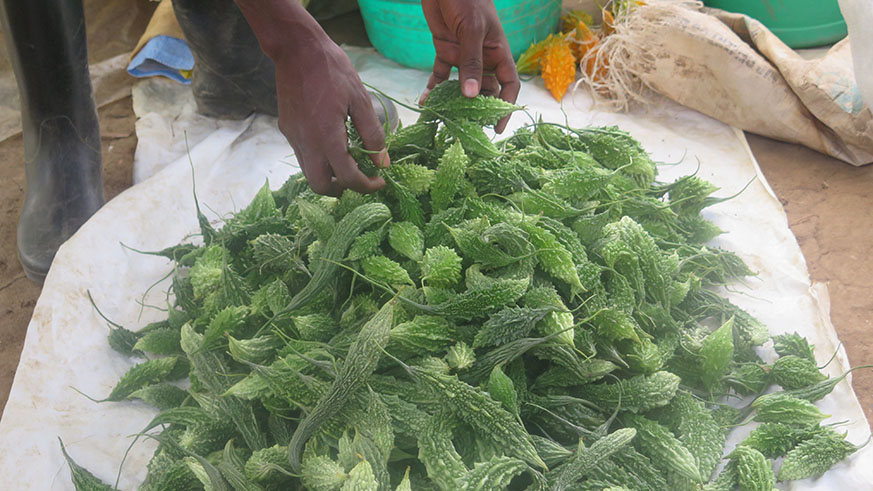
[470,87]
[423,96]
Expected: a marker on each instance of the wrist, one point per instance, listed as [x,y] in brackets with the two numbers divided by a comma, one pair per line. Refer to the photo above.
[281,26]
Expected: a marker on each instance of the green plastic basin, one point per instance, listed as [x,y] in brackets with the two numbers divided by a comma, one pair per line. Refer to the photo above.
[398,30]
[798,23]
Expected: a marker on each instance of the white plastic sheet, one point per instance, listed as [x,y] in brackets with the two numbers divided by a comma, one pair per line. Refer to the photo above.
[858,15]
[66,344]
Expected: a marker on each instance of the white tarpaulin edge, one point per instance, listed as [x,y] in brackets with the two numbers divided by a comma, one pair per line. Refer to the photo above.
[66,346]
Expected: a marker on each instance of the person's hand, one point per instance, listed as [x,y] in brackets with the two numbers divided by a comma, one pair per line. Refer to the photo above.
[468,34]
[317,89]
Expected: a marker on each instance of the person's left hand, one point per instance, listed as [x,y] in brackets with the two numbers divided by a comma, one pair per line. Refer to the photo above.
[468,34]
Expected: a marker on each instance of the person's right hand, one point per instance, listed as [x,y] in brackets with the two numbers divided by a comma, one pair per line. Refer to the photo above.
[317,89]
[467,34]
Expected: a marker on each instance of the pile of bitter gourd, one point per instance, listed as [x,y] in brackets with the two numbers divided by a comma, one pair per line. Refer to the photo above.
[536,313]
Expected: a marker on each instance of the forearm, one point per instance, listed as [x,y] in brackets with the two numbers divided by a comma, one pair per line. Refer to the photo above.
[318,91]
[281,26]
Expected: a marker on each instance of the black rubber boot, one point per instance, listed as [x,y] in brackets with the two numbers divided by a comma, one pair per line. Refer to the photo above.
[46,43]
[232,76]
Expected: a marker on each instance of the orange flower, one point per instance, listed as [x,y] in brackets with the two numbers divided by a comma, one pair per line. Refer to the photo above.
[559,68]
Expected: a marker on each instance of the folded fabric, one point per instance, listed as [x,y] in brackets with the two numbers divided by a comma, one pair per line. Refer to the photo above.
[162,49]
[163,55]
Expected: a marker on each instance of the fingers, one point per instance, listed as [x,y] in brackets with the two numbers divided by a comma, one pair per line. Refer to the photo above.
[490,86]
[370,130]
[501,125]
[312,163]
[332,145]
[332,177]
[319,176]
[328,166]
[472,39]
[441,72]
[507,76]
[433,15]
[348,176]
[437,24]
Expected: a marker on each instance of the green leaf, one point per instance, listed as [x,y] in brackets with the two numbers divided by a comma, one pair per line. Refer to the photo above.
[717,353]
[449,176]
[162,341]
[83,480]
[263,205]
[501,388]
[139,376]
[274,252]
[226,322]
[509,324]
[317,218]
[460,356]
[407,239]
[384,270]
[162,396]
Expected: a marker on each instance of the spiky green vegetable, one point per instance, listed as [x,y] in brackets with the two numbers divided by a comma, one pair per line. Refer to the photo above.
[533,313]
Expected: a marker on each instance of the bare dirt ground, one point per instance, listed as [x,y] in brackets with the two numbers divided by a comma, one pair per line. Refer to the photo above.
[113,27]
[827,203]
[17,294]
